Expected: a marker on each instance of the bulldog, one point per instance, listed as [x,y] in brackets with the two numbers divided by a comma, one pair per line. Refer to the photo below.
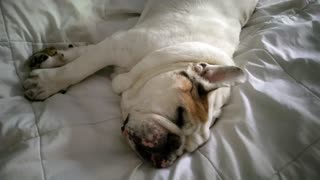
[173,70]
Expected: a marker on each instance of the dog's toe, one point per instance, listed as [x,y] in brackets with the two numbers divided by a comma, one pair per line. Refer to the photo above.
[41,84]
[30,94]
[33,87]
[29,83]
[35,92]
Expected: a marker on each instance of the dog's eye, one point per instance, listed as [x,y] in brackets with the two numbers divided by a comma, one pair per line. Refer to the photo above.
[179,117]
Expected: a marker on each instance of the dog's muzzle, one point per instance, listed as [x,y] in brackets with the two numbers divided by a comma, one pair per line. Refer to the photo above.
[156,143]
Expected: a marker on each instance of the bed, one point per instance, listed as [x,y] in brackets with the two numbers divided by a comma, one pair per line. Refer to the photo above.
[269,130]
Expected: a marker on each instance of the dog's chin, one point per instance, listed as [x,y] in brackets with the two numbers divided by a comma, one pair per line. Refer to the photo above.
[161,152]
[156,159]
[155,141]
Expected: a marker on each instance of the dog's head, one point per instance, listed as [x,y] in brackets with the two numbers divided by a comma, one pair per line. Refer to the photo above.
[169,113]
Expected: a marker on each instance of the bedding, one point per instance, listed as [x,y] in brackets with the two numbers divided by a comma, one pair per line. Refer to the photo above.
[268,130]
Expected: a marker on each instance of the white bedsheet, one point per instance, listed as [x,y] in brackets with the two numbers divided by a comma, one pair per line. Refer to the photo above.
[269,130]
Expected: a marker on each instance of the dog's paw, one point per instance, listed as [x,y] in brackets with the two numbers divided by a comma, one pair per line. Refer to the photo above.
[47,58]
[41,84]
[37,60]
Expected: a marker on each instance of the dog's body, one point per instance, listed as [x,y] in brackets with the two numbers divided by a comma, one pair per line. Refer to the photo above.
[174,70]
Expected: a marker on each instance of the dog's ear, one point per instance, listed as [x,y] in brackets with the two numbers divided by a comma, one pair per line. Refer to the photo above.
[214,76]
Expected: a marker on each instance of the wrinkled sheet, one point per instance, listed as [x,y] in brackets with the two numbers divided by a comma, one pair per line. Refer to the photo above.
[269,130]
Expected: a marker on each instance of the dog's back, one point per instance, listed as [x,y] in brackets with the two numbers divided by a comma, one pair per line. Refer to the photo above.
[217,22]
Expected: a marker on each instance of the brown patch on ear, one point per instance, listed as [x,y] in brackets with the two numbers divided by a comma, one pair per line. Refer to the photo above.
[195,105]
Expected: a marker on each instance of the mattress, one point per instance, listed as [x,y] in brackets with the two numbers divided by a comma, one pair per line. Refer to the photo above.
[270,129]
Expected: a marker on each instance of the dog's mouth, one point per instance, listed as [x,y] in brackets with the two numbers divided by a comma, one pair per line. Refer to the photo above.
[157,159]
[160,152]
[156,140]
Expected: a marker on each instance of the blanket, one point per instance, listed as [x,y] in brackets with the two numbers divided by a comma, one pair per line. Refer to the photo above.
[268,130]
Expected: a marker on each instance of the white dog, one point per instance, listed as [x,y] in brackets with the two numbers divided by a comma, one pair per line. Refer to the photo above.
[174,70]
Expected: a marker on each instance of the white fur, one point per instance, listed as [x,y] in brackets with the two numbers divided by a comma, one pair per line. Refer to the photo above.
[170,35]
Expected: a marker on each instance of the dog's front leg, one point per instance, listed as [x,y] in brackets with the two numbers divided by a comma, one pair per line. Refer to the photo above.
[42,83]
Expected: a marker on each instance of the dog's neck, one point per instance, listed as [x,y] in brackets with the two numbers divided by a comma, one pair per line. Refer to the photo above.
[143,78]
[170,58]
